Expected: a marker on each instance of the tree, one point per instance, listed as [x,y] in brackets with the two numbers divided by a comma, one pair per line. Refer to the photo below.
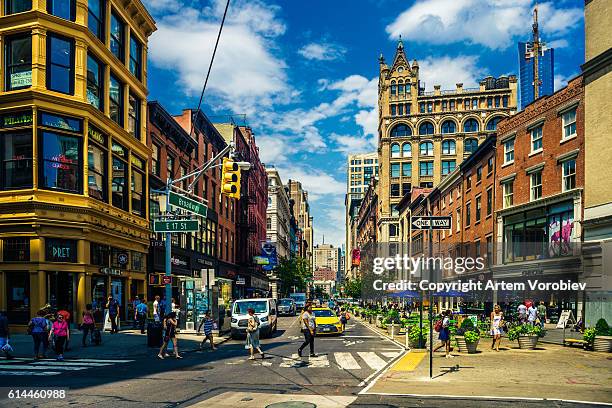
[292,273]
[352,288]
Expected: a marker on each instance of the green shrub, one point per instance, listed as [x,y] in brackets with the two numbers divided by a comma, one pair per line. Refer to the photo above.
[589,335]
[602,328]
[525,329]
[471,336]
[415,332]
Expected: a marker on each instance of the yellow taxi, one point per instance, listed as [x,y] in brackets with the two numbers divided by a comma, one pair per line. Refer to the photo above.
[327,321]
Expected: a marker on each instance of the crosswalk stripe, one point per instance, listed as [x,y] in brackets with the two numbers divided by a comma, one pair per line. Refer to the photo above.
[71,360]
[318,361]
[346,361]
[70,363]
[34,367]
[372,359]
[29,373]
[390,354]
[294,362]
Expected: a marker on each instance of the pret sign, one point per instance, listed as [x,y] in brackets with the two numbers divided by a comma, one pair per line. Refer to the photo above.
[421,223]
[175,226]
[60,250]
[188,204]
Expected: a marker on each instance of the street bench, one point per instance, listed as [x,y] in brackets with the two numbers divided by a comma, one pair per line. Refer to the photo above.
[573,342]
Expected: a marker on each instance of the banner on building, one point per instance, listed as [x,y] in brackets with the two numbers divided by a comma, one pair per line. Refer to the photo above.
[356,257]
[268,251]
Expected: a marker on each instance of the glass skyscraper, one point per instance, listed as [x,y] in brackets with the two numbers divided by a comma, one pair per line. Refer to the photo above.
[546,62]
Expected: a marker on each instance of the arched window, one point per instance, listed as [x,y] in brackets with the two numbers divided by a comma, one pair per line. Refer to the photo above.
[449,127]
[426,128]
[470,125]
[395,150]
[406,150]
[426,149]
[470,146]
[448,147]
[393,88]
[401,130]
[492,124]
[400,87]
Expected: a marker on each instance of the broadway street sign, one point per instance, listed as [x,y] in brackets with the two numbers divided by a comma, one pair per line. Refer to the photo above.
[421,223]
[188,204]
[175,226]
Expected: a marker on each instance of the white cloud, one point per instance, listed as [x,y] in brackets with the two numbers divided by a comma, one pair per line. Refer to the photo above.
[246,73]
[560,81]
[317,182]
[492,23]
[322,51]
[353,144]
[558,44]
[448,71]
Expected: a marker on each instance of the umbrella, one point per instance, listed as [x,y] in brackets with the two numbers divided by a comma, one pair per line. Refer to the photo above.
[405,293]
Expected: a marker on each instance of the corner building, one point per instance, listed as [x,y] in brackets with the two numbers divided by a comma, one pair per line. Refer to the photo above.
[423,136]
[73,181]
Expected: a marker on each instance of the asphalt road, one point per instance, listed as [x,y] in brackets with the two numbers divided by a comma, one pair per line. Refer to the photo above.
[344,365]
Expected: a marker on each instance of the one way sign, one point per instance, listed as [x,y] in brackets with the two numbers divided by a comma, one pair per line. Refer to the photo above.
[421,223]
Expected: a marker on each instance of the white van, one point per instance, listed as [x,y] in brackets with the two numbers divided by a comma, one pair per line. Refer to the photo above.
[265,310]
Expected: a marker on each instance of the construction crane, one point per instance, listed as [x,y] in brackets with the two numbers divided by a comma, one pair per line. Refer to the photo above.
[536,48]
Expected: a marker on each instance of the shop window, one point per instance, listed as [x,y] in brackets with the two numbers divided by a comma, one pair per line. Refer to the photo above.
[60,64]
[60,250]
[16,250]
[134,116]
[138,192]
[62,8]
[139,261]
[95,83]
[99,254]
[16,160]
[61,163]
[135,56]
[18,51]
[117,35]
[95,17]
[17,294]
[116,100]
[17,6]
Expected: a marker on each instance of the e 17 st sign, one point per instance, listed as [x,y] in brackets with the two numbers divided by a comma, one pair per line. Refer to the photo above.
[175,226]
[423,223]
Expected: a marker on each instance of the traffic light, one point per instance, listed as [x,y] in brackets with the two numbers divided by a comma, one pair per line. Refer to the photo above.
[230,178]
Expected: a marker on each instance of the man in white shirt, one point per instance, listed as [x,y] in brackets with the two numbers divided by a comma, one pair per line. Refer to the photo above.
[522,313]
[532,314]
[309,328]
[156,309]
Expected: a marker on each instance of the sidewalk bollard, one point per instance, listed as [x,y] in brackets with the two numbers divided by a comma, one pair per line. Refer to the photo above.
[407,339]
[392,330]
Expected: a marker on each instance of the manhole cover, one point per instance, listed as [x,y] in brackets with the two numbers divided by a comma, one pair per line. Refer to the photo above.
[292,404]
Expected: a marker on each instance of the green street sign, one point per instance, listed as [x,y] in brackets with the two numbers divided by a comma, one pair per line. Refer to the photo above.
[188,204]
[176,226]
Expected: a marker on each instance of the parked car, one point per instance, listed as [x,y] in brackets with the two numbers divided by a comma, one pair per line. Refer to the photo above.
[300,300]
[286,307]
[327,321]
[265,310]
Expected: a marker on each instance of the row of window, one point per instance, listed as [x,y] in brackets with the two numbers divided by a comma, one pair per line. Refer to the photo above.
[400,190]
[61,161]
[467,104]
[471,125]
[61,76]
[426,148]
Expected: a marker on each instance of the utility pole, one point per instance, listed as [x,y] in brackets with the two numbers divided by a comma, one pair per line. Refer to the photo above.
[431,275]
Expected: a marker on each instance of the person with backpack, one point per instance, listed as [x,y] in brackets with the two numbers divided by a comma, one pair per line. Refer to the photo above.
[61,333]
[252,338]
[169,336]
[309,328]
[88,323]
[141,315]
[209,325]
[442,326]
[344,318]
[37,328]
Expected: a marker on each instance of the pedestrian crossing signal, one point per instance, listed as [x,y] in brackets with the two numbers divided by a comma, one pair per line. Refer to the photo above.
[154,279]
[230,178]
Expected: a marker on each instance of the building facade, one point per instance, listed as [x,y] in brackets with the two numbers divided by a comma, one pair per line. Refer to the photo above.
[539,189]
[326,256]
[301,212]
[360,170]
[424,136]
[597,73]
[73,192]
[278,222]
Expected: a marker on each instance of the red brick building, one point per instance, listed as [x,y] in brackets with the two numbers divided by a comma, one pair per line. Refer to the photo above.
[324,274]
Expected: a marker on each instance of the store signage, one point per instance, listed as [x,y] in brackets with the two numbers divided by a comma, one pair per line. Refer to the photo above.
[175,226]
[16,119]
[118,149]
[122,258]
[111,271]
[188,204]
[96,135]
[177,261]
[204,262]
[166,280]
[137,162]
[61,122]
[261,260]
[240,280]
[60,250]
[157,244]
[436,223]
[21,79]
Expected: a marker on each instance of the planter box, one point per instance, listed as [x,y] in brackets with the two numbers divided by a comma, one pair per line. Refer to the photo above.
[603,344]
[393,330]
[528,342]
[461,344]
[379,320]
[472,347]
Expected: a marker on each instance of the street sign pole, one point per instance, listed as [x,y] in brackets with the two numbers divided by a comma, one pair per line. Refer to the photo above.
[431,225]
[168,251]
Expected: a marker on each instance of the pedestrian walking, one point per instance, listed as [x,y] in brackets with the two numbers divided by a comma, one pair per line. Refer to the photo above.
[162,308]
[67,316]
[497,327]
[88,323]
[522,313]
[37,328]
[61,333]
[252,338]
[169,336]
[344,317]
[444,335]
[135,304]
[309,328]
[542,313]
[156,313]
[208,324]
[175,307]
[113,313]
[5,347]
[141,314]
[532,314]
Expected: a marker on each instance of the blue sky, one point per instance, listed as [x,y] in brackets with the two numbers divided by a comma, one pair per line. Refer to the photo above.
[305,72]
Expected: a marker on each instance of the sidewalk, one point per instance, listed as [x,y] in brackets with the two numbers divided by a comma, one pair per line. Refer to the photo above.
[125,344]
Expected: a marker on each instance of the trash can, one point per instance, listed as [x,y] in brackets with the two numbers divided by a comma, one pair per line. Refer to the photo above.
[154,334]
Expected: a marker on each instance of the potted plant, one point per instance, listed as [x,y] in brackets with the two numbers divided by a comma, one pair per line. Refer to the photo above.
[466,326]
[527,335]
[392,322]
[589,337]
[603,337]
[414,334]
[471,341]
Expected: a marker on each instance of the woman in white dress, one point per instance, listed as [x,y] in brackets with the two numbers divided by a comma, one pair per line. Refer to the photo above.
[497,323]
[252,336]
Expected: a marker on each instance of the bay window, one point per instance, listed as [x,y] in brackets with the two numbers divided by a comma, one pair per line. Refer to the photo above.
[134,116]
[65,9]
[18,57]
[138,187]
[61,164]
[60,64]
[16,159]
[116,100]
[117,37]
[17,6]
[95,83]
[97,165]
[135,57]
[120,168]
[95,17]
